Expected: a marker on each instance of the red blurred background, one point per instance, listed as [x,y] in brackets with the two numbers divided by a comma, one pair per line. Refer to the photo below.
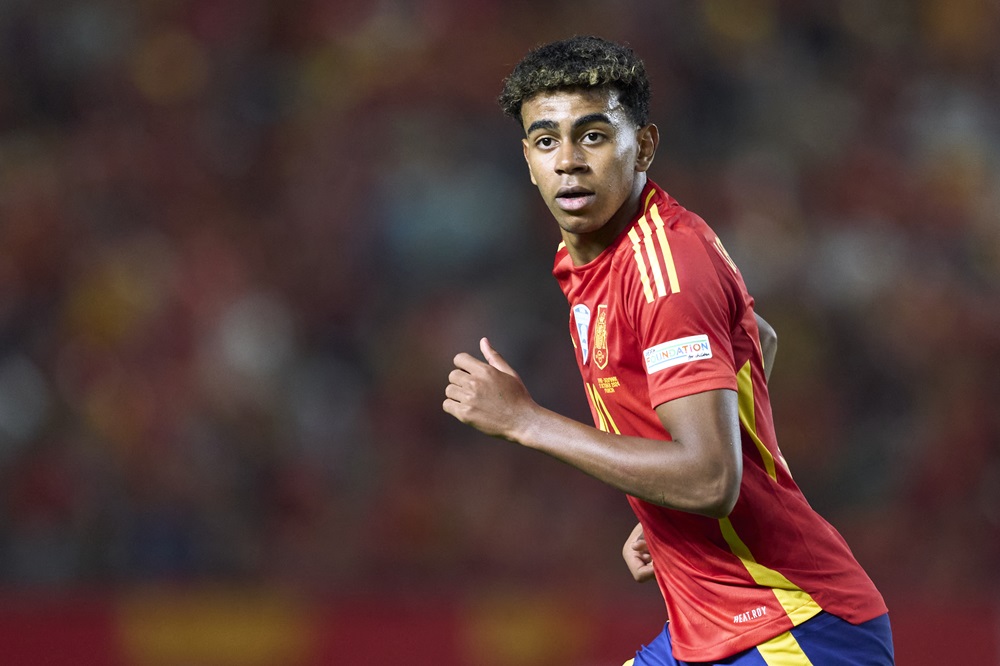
[240,243]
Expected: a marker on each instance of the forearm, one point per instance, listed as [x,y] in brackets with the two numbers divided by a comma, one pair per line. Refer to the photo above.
[698,469]
[671,473]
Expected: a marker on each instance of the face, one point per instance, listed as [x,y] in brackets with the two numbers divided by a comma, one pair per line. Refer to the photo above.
[587,158]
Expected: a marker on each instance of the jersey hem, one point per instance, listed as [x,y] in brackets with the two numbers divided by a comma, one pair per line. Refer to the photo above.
[684,390]
[746,641]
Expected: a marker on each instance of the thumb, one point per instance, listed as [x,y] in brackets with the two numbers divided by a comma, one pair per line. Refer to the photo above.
[494,358]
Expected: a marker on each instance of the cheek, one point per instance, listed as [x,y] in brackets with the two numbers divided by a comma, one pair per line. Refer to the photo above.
[538,170]
[628,157]
[623,170]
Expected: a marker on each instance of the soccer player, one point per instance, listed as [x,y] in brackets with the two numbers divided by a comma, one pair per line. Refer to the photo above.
[673,363]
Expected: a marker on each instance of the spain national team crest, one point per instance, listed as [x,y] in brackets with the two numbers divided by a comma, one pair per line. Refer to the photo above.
[601,337]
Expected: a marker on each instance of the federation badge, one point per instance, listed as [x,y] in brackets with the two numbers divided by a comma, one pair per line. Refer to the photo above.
[601,337]
[581,316]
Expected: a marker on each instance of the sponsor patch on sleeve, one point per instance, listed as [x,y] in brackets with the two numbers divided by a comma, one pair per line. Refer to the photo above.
[675,352]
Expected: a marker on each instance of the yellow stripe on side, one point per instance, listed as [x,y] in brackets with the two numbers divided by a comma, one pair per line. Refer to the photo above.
[744,382]
[796,602]
[630,662]
[654,261]
[783,650]
[668,257]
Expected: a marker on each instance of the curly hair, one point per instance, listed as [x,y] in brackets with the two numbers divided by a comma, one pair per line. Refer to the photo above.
[579,62]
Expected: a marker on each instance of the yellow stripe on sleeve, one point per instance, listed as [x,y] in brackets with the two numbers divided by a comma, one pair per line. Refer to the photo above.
[654,261]
[643,273]
[668,257]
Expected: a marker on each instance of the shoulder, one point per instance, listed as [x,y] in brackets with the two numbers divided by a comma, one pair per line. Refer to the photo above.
[664,244]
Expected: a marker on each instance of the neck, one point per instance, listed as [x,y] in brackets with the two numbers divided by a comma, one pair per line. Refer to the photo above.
[584,248]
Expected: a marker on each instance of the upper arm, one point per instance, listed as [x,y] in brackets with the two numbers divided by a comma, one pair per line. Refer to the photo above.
[768,344]
[707,426]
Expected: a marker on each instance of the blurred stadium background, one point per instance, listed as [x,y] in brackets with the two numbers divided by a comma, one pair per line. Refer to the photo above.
[241,241]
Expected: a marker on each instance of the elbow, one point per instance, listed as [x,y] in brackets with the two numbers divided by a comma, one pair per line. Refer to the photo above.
[722,493]
[721,507]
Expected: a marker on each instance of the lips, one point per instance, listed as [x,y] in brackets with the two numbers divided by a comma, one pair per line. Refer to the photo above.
[574,198]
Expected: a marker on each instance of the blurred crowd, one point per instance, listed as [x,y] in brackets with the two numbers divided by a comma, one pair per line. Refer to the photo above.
[240,243]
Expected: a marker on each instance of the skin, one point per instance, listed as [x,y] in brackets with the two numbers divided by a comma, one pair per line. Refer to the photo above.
[635,552]
[581,142]
[698,471]
[589,162]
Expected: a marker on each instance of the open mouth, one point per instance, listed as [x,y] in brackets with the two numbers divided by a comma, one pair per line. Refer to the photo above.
[574,198]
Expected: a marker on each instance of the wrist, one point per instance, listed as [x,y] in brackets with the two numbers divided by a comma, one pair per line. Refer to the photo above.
[527,429]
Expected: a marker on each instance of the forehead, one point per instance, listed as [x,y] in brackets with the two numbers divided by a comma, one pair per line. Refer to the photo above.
[561,106]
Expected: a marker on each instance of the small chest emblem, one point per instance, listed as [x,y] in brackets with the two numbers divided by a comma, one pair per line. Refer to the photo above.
[581,317]
[601,337]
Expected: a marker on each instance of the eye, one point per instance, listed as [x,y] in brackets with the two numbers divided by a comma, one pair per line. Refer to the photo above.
[593,137]
[545,142]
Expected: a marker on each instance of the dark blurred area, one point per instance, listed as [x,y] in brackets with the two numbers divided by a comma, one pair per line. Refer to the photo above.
[240,243]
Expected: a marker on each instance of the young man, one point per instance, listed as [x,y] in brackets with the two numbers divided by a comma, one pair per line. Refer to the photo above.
[674,368]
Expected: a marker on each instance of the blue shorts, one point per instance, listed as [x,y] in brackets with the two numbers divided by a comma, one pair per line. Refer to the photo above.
[824,640]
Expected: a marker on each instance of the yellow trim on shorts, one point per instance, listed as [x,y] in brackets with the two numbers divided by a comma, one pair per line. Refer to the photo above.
[630,662]
[783,650]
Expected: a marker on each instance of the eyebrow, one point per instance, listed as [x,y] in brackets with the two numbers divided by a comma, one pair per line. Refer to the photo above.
[579,122]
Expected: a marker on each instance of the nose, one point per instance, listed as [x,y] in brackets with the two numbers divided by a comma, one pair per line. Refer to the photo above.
[570,159]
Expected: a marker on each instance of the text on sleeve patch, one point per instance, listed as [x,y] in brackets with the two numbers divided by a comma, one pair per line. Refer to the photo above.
[682,350]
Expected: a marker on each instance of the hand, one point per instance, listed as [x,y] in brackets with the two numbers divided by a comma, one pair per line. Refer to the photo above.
[637,557]
[488,396]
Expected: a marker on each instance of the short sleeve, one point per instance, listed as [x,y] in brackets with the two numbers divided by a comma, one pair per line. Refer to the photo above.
[681,307]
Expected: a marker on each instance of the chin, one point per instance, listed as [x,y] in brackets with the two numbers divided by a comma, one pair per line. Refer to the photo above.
[580,225]
[574,227]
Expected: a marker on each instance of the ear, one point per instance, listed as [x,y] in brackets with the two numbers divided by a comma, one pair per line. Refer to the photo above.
[648,138]
[525,145]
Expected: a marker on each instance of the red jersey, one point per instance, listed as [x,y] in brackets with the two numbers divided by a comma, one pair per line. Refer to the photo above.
[663,313]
